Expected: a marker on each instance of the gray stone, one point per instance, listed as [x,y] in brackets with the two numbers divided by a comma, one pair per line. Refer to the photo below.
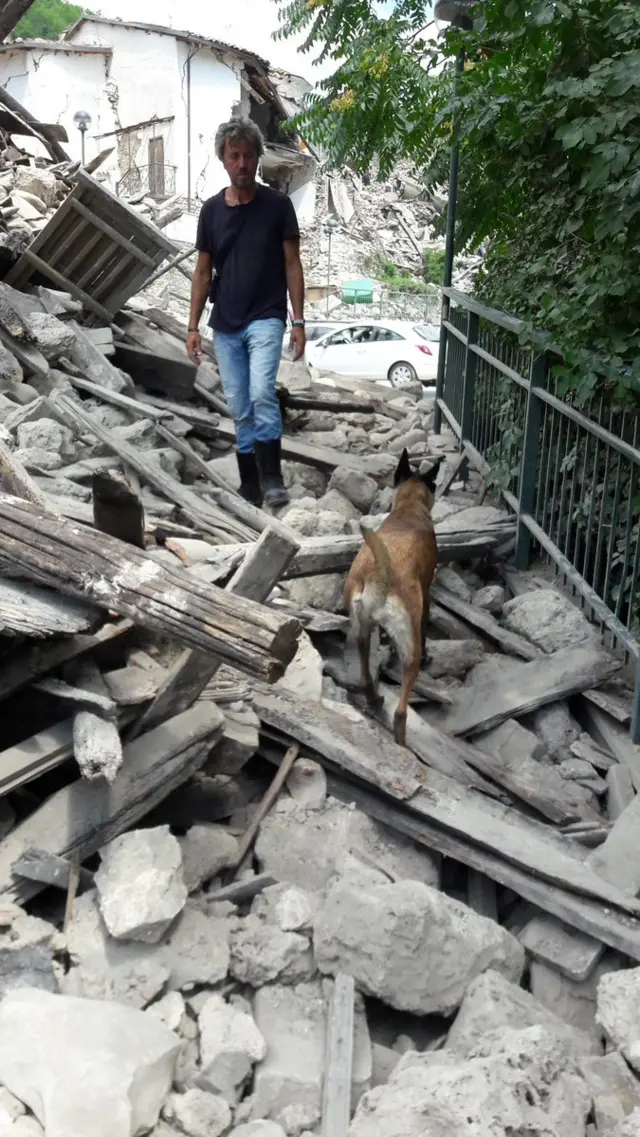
[474,517]
[258,1129]
[615,1091]
[492,1004]
[410,946]
[42,183]
[195,951]
[323,592]
[304,674]
[262,953]
[170,1010]
[291,909]
[491,598]
[230,1046]
[85,1067]
[618,1012]
[453,657]
[94,365]
[307,782]
[414,440]
[511,743]
[548,619]
[630,1127]
[312,481]
[293,1022]
[47,434]
[557,729]
[358,488]
[198,1113]
[51,336]
[206,850]
[141,884]
[574,1002]
[385,1061]
[306,848]
[523,1084]
[335,502]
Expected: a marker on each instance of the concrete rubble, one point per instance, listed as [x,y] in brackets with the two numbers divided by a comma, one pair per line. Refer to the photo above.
[175,926]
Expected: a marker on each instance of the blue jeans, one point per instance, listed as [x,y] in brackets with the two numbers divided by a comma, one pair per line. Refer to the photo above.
[248,361]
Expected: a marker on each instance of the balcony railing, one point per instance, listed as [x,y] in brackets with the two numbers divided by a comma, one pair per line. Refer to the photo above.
[156,181]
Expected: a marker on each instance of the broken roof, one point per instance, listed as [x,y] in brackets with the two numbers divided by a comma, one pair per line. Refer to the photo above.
[159,29]
[55,45]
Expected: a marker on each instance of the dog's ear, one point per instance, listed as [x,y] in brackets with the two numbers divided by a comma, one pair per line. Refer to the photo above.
[403,469]
[430,477]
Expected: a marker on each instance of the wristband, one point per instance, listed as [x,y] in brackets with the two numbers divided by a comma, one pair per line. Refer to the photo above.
[297,324]
[192,330]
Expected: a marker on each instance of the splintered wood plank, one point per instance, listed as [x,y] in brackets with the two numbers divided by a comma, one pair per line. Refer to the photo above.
[96,739]
[528,686]
[338,1066]
[205,516]
[541,787]
[616,739]
[484,622]
[94,567]
[27,610]
[255,578]
[15,480]
[353,744]
[618,858]
[84,816]
[561,947]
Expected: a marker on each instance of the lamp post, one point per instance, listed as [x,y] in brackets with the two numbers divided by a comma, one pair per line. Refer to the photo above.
[331,226]
[82,120]
[455,12]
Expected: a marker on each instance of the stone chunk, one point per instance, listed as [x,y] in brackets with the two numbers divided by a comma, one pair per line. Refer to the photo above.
[307,783]
[490,598]
[259,1129]
[410,946]
[262,953]
[304,674]
[290,909]
[630,1127]
[522,1084]
[359,489]
[198,1114]
[453,657]
[51,336]
[46,434]
[615,1091]
[548,619]
[230,1046]
[306,849]
[141,884]
[293,1022]
[206,850]
[85,1067]
[492,1004]
[618,1012]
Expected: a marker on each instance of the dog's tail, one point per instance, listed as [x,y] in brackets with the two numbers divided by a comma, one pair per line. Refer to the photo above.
[383,572]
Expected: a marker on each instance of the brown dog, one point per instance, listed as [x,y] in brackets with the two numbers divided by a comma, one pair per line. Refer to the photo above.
[390,579]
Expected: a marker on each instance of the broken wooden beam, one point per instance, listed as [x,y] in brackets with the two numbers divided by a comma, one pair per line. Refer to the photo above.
[484,622]
[28,610]
[338,1066]
[96,739]
[100,569]
[39,659]
[172,376]
[257,575]
[528,686]
[84,816]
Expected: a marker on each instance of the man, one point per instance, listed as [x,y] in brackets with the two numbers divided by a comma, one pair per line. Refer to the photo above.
[248,258]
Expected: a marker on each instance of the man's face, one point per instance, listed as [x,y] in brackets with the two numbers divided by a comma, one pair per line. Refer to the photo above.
[241,163]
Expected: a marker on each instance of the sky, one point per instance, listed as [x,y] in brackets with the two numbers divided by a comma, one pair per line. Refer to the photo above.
[245,23]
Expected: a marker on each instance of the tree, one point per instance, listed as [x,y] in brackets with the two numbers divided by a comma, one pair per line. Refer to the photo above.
[47,19]
[549,112]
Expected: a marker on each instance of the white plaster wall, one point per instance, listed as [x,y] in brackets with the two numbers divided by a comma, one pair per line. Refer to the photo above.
[53,86]
[215,92]
[304,203]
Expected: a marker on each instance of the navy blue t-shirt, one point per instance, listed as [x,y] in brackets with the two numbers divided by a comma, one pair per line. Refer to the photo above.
[252,284]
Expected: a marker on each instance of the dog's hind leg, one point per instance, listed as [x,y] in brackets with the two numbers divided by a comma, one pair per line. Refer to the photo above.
[408,640]
[424,624]
[363,630]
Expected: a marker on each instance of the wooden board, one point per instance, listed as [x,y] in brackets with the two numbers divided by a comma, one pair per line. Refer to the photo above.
[39,659]
[484,622]
[618,858]
[84,816]
[100,569]
[321,457]
[26,609]
[615,739]
[158,373]
[528,686]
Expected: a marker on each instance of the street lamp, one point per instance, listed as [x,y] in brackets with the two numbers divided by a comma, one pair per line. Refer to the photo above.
[455,12]
[82,120]
[331,226]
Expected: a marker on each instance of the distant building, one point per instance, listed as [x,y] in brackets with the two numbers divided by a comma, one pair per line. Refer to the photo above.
[156,97]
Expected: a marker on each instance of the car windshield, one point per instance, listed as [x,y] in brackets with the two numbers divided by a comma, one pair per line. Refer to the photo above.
[429,332]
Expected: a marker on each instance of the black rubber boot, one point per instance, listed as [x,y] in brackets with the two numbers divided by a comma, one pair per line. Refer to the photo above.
[250,488]
[268,457]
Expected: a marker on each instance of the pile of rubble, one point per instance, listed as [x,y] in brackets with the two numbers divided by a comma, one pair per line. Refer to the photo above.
[230,904]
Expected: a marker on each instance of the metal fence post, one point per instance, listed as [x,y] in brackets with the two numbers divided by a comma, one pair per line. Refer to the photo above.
[529,460]
[469,378]
[635,716]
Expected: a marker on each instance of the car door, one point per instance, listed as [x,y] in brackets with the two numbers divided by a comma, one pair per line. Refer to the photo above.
[333,352]
[388,346]
[366,363]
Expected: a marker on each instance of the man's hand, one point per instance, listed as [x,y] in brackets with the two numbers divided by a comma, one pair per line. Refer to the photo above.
[194,347]
[297,343]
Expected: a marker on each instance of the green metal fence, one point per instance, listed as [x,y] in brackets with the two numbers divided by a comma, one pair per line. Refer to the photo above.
[571,476]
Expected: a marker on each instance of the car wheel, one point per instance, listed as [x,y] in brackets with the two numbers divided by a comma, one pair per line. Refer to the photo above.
[401,374]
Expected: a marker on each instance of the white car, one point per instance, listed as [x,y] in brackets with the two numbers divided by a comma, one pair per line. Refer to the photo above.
[394,351]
